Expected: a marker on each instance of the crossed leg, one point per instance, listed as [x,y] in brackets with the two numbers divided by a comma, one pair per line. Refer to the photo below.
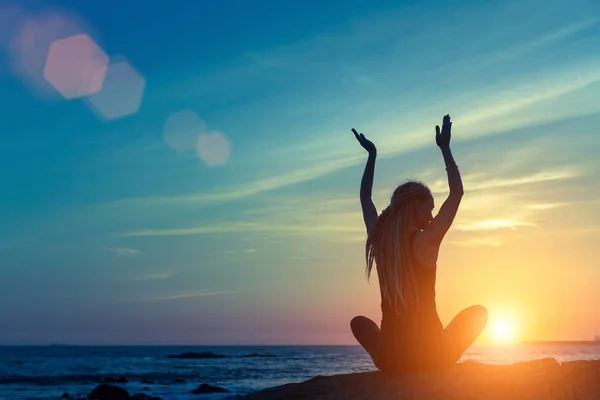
[460,334]
[462,331]
[368,335]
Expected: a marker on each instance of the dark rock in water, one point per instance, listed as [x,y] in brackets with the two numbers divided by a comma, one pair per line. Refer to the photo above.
[65,396]
[177,380]
[192,355]
[115,379]
[540,379]
[145,388]
[142,396]
[206,389]
[108,392]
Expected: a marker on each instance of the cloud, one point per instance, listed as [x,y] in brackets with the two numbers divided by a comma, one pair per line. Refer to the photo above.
[493,224]
[545,206]
[179,296]
[227,252]
[541,41]
[479,111]
[474,182]
[347,155]
[337,216]
[124,252]
[333,216]
[153,277]
[242,227]
[594,230]
[245,190]
[478,242]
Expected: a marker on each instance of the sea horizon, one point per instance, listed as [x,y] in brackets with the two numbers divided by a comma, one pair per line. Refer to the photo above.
[60,344]
[45,372]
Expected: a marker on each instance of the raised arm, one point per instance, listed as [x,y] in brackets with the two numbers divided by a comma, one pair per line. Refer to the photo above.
[366,184]
[436,230]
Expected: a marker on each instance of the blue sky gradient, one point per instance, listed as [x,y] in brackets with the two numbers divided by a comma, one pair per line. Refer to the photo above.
[110,236]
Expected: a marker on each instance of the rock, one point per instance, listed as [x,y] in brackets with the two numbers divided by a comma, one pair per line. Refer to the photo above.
[108,392]
[65,396]
[177,380]
[540,379]
[206,389]
[192,355]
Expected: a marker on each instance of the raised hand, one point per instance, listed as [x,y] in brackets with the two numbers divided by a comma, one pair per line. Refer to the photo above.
[365,143]
[442,138]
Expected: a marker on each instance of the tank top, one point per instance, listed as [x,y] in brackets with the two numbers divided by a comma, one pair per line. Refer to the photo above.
[426,315]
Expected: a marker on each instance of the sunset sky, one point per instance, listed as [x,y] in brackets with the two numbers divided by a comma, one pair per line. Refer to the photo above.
[225,210]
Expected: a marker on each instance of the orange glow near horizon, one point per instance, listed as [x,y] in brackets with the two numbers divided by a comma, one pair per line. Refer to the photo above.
[503,332]
[504,327]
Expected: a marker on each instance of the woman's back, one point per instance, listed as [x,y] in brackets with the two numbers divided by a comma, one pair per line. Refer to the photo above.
[425,277]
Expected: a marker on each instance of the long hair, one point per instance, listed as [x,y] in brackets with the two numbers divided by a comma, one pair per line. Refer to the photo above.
[388,245]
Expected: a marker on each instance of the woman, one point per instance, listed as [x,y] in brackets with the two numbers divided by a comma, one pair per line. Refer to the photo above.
[404,243]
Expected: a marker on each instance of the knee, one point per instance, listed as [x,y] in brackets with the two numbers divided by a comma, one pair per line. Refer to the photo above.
[362,326]
[480,315]
[357,322]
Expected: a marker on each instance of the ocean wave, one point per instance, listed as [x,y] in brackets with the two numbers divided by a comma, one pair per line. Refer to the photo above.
[210,355]
[50,380]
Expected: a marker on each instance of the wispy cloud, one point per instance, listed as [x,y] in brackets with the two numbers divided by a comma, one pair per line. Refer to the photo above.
[339,218]
[593,230]
[249,189]
[478,112]
[179,296]
[227,252]
[153,277]
[124,252]
[546,39]
[347,154]
[494,224]
[546,206]
[478,242]
[470,125]
[240,227]
[474,182]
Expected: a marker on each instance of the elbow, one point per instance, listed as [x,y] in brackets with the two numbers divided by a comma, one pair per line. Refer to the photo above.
[365,195]
[457,193]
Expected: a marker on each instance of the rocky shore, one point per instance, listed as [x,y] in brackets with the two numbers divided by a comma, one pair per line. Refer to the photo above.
[540,379]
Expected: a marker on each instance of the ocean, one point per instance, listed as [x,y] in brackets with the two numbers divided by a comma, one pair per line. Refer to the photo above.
[47,372]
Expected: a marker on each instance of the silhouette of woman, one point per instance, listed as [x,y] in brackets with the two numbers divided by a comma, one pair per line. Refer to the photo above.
[404,243]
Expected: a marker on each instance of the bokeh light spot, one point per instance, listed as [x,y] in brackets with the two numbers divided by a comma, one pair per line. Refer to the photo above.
[122,92]
[76,66]
[213,148]
[182,130]
[30,44]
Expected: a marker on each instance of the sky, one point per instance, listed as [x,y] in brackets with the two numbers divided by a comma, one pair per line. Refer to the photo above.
[185,172]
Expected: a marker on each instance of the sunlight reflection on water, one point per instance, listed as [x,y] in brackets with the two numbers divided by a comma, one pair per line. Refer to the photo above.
[507,354]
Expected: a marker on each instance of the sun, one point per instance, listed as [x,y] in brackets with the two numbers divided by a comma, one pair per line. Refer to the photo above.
[503,331]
